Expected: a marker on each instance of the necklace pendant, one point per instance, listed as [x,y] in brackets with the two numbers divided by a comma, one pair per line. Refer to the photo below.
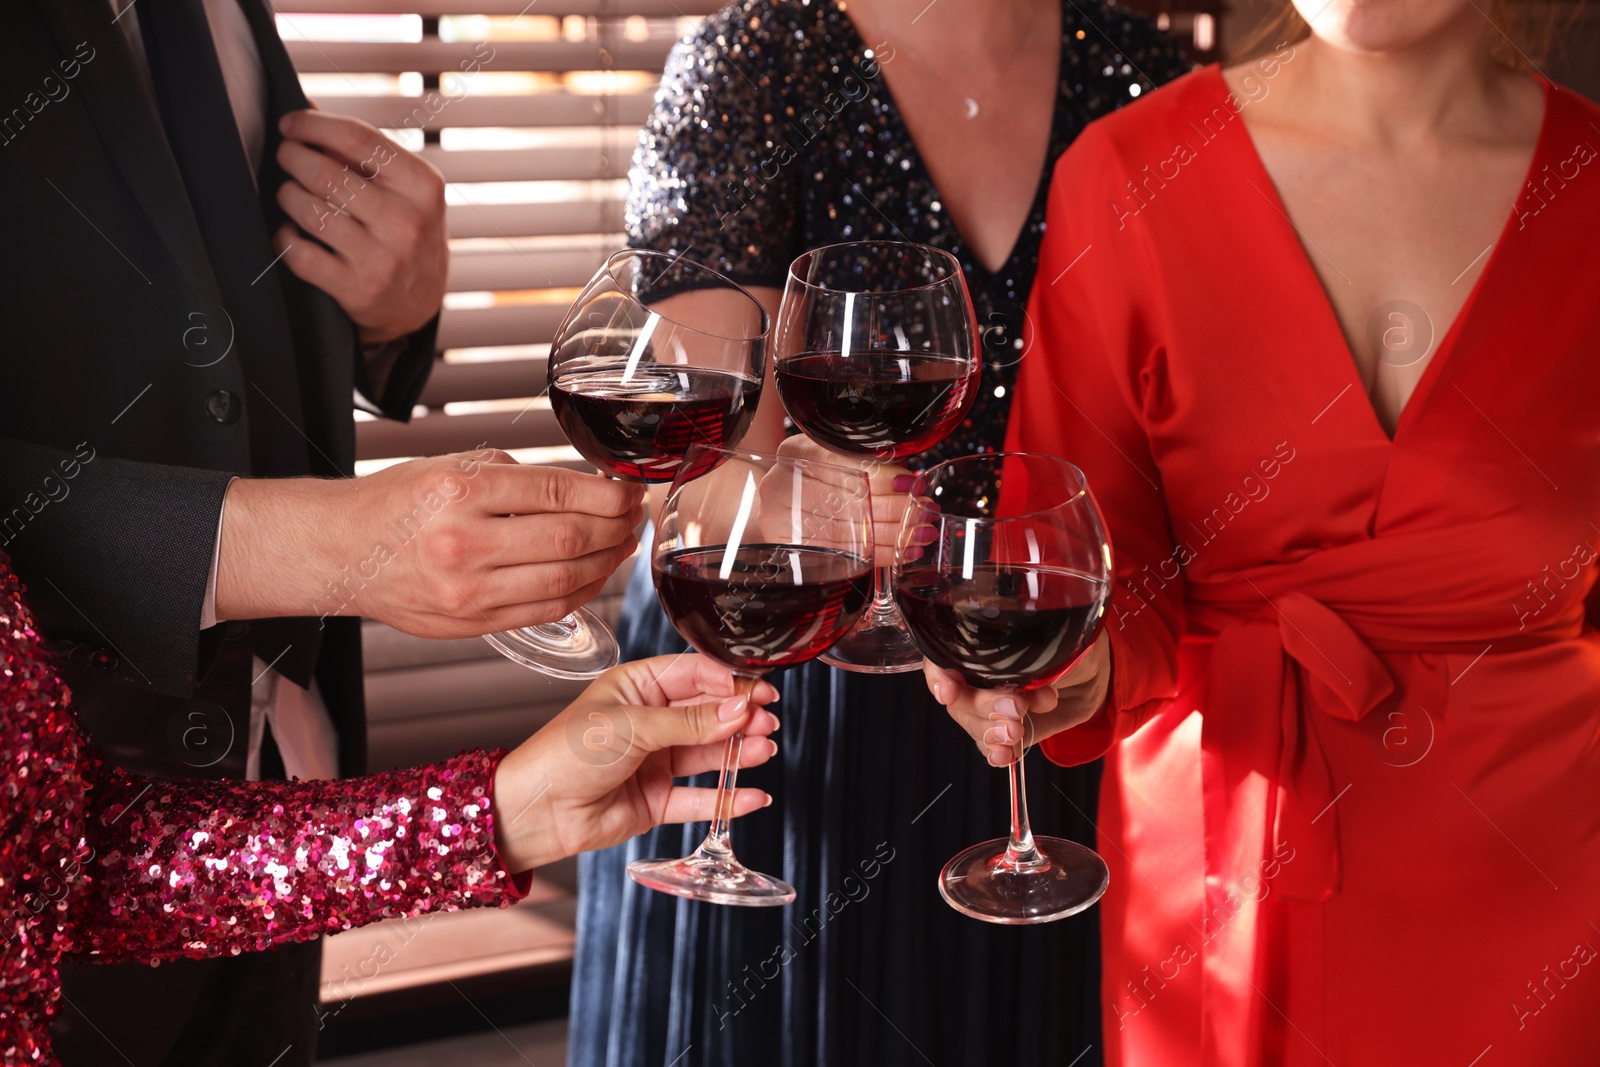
[972,108]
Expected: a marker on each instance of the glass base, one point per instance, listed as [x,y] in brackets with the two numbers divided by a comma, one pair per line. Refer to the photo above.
[580,646]
[879,644]
[713,878]
[981,883]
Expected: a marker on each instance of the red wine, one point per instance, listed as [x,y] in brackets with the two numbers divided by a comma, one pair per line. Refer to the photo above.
[1006,626]
[639,427]
[880,404]
[777,606]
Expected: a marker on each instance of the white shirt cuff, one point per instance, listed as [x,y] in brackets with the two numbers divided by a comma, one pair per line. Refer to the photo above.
[208,608]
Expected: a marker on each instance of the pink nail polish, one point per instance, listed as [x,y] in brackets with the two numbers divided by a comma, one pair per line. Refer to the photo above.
[902,482]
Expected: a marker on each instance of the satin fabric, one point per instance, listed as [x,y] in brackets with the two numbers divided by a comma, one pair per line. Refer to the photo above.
[1352,799]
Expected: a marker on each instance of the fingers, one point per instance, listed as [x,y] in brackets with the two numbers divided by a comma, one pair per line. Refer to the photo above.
[695,804]
[997,720]
[655,729]
[367,152]
[556,536]
[698,759]
[527,490]
[335,185]
[527,584]
[686,677]
[329,221]
[309,261]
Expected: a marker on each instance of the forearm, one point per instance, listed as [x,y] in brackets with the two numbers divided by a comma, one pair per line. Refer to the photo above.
[189,868]
[282,546]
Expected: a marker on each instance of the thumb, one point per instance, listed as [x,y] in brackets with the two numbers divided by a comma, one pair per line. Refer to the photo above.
[689,724]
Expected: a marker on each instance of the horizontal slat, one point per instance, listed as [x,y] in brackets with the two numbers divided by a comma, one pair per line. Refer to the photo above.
[451,382]
[443,689]
[518,220]
[433,435]
[486,327]
[531,109]
[498,264]
[433,56]
[441,946]
[552,163]
[604,8]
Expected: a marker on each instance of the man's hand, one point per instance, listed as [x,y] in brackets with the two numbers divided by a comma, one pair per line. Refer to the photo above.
[452,546]
[601,771]
[379,212]
[1001,720]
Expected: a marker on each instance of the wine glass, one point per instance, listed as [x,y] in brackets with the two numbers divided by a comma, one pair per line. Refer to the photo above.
[762,563]
[876,354]
[657,353]
[1003,573]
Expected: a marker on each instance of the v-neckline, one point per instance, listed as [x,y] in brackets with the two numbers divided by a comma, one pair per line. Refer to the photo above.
[962,250]
[1351,372]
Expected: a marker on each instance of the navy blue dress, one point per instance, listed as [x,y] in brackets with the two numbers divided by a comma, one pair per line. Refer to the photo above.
[773,133]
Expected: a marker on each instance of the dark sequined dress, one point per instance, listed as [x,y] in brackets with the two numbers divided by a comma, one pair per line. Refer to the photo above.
[774,132]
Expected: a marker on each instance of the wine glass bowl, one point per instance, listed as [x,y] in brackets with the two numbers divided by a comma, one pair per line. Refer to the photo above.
[761,562]
[1008,591]
[876,356]
[657,353]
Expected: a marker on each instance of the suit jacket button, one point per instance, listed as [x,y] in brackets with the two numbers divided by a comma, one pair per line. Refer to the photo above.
[223,407]
[103,660]
[235,630]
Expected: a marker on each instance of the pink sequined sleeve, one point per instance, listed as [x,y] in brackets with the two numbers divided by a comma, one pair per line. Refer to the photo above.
[182,867]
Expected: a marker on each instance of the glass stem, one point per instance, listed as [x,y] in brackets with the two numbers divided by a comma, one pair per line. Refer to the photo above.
[882,594]
[1019,850]
[718,842]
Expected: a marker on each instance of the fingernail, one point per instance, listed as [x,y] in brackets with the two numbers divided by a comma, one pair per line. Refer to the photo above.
[774,745]
[938,693]
[1007,708]
[902,482]
[912,553]
[924,533]
[768,804]
[284,123]
[731,709]
[999,757]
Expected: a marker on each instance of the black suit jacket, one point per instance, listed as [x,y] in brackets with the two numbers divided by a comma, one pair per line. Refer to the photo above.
[121,428]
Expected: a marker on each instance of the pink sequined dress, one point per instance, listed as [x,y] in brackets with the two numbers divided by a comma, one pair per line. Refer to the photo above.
[99,864]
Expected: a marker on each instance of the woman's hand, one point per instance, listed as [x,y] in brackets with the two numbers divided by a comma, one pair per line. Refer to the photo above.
[999,719]
[601,771]
[888,483]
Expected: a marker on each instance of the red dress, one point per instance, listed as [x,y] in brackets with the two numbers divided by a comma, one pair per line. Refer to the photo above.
[96,863]
[1352,792]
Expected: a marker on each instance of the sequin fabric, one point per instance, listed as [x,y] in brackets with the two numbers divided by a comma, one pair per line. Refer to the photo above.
[774,132]
[101,864]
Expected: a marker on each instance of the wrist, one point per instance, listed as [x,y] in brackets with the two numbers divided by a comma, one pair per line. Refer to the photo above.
[522,824]
[281,546]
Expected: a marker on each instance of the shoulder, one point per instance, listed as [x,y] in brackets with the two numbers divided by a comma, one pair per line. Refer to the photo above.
[1125,139]
[749,32]
[1107,41]
[1574,112]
